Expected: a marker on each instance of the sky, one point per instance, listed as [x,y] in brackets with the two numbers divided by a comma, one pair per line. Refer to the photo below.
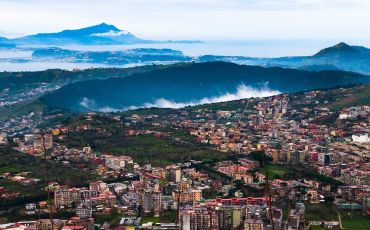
[342,20]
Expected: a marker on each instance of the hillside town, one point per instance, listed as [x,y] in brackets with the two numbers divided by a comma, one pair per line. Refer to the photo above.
[281,163]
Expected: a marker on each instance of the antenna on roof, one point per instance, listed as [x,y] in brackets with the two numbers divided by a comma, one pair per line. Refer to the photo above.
[268,189]
[47,180]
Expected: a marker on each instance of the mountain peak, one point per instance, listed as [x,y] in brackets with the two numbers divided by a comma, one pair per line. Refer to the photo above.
[340,48]
[100,28]
[100,34]
[341,45]
[105,26]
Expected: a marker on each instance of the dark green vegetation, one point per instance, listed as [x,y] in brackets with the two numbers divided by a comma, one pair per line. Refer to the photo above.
[313,227]
[213,173]
[112,217]
[354,220]
[160,151]
[275,171]
[301,171]
[190,83]
[350,219]
[352,97]
[17,83]
[23,81]
[145,149]
[15,216]
[166,217]
[335,98]
[12,161]
[107,136]
[260,157]
[320,212]
[22,109]
[226,106]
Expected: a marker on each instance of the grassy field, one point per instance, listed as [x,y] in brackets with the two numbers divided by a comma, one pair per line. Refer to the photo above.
[160,151]
[145,149]
[320,212]
[354,220]
[317,228]
[165,217]
[275,171]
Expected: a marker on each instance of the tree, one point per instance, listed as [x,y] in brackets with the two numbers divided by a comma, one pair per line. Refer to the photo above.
[258,156]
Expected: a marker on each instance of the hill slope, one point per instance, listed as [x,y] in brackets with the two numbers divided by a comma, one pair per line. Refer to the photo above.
[193,83]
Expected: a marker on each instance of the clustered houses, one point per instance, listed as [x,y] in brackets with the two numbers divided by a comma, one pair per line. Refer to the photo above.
[94,197]
[231,131]
[152,191]
[234,213]
[240,171]
[21,178]
[7,194]
[293,131]
[290,133]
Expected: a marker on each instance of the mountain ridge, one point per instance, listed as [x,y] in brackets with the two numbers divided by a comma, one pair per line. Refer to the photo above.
[340,56]
[83,36]
[100,34]
[343,50]
[192,83]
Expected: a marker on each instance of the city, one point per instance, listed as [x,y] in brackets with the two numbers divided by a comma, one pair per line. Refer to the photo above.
[314,149]
[184,115]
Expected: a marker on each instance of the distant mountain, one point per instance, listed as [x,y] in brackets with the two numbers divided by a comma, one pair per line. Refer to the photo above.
[341,56]
[339,49]
[338,57]
[4,43]
[192,83]
[102,34]
[130,56]
[2,39]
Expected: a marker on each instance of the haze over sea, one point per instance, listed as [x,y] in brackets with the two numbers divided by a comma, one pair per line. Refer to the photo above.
[9,59]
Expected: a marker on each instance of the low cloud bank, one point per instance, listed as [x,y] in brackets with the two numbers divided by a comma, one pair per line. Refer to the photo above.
[242,92]
[110,33]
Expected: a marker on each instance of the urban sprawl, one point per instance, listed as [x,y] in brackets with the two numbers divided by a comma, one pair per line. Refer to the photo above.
[316,159]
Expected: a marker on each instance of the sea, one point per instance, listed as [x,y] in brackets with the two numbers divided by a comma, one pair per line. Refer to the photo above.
[14,60]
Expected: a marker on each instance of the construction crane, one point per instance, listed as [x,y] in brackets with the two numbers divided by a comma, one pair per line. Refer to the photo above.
[244,111]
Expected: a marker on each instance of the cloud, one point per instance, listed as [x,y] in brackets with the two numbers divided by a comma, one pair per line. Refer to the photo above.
[87,103]
[242,92]
[111,33]
[91,105]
